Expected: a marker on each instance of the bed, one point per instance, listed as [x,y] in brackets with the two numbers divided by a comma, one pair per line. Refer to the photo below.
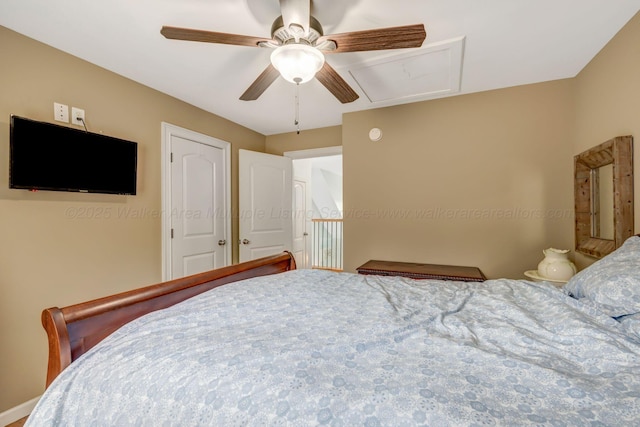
[280,346]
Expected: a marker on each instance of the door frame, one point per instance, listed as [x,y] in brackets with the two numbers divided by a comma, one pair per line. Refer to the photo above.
[168,131]
[311,154]
[314,152]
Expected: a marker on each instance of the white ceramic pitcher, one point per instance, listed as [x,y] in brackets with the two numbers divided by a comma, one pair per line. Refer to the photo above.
[556,265]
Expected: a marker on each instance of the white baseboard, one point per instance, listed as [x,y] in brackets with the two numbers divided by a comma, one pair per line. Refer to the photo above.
[14,414]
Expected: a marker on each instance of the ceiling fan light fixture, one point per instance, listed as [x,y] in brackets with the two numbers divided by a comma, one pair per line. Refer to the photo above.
[297,63]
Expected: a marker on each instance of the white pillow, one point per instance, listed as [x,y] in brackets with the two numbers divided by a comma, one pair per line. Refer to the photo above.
[612,283]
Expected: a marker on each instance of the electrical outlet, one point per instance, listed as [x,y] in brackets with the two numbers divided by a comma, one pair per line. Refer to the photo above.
[77,116]
[60,112]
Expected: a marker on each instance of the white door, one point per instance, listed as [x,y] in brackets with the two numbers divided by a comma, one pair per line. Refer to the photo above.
[265,217]
[301,214]
[199,226]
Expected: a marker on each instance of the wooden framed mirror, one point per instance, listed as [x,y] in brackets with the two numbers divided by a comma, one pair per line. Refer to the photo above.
[603,183]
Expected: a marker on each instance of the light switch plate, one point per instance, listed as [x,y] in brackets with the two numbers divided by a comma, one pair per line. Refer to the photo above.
[60,112]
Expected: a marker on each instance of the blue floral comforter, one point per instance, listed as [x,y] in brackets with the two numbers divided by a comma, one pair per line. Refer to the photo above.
[309,347]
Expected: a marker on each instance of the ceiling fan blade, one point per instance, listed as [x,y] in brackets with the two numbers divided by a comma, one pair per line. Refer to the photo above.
[264,80]
[296,13]
[336,84]
[176,33]
[377,39]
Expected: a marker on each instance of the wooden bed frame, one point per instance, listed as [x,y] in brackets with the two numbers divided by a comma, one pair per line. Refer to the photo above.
[73,330]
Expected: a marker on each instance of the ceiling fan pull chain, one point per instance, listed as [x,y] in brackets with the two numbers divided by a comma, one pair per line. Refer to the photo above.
[297,108]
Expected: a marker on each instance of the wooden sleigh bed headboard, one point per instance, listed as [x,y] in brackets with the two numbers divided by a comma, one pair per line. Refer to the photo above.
[73,330]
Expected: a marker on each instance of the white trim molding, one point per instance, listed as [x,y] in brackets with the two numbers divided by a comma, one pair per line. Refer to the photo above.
[314,152]
[17,412]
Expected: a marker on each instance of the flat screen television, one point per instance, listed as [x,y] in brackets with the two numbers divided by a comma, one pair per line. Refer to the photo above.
[45,156]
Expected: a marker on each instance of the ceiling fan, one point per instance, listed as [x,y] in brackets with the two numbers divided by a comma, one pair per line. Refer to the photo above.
[299,46]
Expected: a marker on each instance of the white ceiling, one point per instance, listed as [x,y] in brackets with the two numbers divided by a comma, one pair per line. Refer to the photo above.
[506,43]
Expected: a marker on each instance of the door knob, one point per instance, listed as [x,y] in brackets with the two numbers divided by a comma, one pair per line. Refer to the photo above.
[245,242]
[222,242]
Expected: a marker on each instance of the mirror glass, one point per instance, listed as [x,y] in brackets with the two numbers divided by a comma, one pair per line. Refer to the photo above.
[602,202]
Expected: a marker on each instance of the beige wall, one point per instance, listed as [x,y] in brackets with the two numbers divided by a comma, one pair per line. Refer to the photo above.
[49,254]
[482,180]
[608,101]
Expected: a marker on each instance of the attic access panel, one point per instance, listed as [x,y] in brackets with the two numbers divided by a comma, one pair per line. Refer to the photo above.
[431,71]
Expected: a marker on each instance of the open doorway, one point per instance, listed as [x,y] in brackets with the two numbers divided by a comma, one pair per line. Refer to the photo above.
[317,197]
